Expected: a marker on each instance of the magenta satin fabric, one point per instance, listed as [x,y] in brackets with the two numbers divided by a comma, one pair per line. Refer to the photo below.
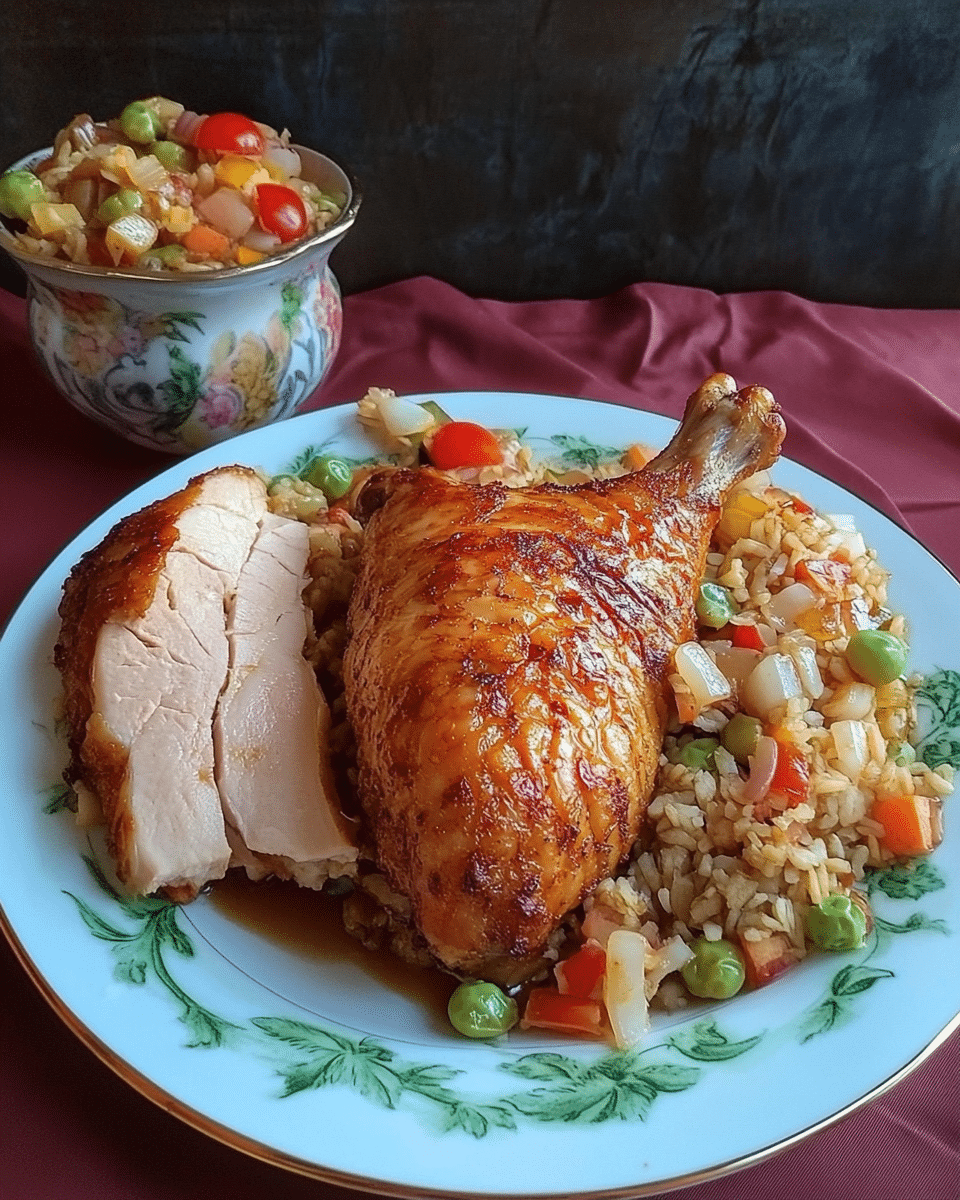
[872,400]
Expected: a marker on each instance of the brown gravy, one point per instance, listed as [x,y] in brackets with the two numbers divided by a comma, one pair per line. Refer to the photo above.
[309,923]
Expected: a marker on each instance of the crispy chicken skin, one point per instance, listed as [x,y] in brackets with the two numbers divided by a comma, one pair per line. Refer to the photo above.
[506,675]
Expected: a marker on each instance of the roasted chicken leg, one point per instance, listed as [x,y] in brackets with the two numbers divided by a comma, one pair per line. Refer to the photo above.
[506,675]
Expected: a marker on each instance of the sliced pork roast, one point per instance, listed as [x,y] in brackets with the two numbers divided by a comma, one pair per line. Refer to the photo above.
[146,651]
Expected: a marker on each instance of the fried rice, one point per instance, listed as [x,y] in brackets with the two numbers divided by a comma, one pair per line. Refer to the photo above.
[716,860]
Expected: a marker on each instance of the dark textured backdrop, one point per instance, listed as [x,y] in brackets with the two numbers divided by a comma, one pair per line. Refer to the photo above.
[564,147]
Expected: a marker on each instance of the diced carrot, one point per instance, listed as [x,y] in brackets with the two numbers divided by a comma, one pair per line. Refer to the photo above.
[546,1008]
[637,456]
[747,637]
[204,239]
[581,974]
[908,824]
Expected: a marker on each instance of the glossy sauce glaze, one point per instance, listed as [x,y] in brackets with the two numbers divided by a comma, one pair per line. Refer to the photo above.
[309,923]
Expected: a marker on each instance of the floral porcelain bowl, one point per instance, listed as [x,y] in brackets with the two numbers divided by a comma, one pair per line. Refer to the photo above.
[179,361]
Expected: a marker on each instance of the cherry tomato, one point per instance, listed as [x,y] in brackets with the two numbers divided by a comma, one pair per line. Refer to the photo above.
[281,211]
[229,133]
[464,444]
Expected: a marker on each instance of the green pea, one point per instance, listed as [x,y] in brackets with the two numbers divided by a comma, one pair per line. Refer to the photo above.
[740,736]
[163,257]
[18,190]
[121,204]
[171,155]
[697,755]
[139,122]
[716,971]
[482,1010]
[331,475]
[836,923]
[877,656]
[715,606]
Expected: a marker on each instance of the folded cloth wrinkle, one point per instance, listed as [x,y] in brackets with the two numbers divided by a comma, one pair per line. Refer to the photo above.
[871,396]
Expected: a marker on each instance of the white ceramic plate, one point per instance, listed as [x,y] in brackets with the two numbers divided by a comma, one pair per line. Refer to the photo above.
[324,1070]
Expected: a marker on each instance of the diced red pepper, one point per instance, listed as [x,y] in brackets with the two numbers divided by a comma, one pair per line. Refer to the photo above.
[547,1009]
[581,974]
[747,637]
[791,776]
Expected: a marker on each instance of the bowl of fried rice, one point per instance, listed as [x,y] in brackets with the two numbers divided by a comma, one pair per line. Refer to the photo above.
[179,289]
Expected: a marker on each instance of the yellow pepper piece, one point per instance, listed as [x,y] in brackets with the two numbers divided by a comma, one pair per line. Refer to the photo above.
[738,516]
[245,255]
[179,218]
[53,220]
[234,171]
[128,237]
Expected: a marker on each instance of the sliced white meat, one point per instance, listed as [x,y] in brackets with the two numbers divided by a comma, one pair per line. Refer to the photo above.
[144,654]
[270,730]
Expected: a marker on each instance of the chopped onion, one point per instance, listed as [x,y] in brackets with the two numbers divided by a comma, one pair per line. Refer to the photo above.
[850,740]
[672,955]
[771,683]
[841,521]
[259,239]
[857,615]
[226,210]
[787,604]
[285,160]
[599,922]
[624,995]
[186,127]
[735,662]
[402,418]
[148,173]
[847,537]
[699,672]
[851,543]
[763,766]
[850,702]
[805,660]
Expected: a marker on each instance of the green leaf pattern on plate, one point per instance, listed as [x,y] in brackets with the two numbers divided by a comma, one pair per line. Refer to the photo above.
[938,700]
[907,881]
[564,1089]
